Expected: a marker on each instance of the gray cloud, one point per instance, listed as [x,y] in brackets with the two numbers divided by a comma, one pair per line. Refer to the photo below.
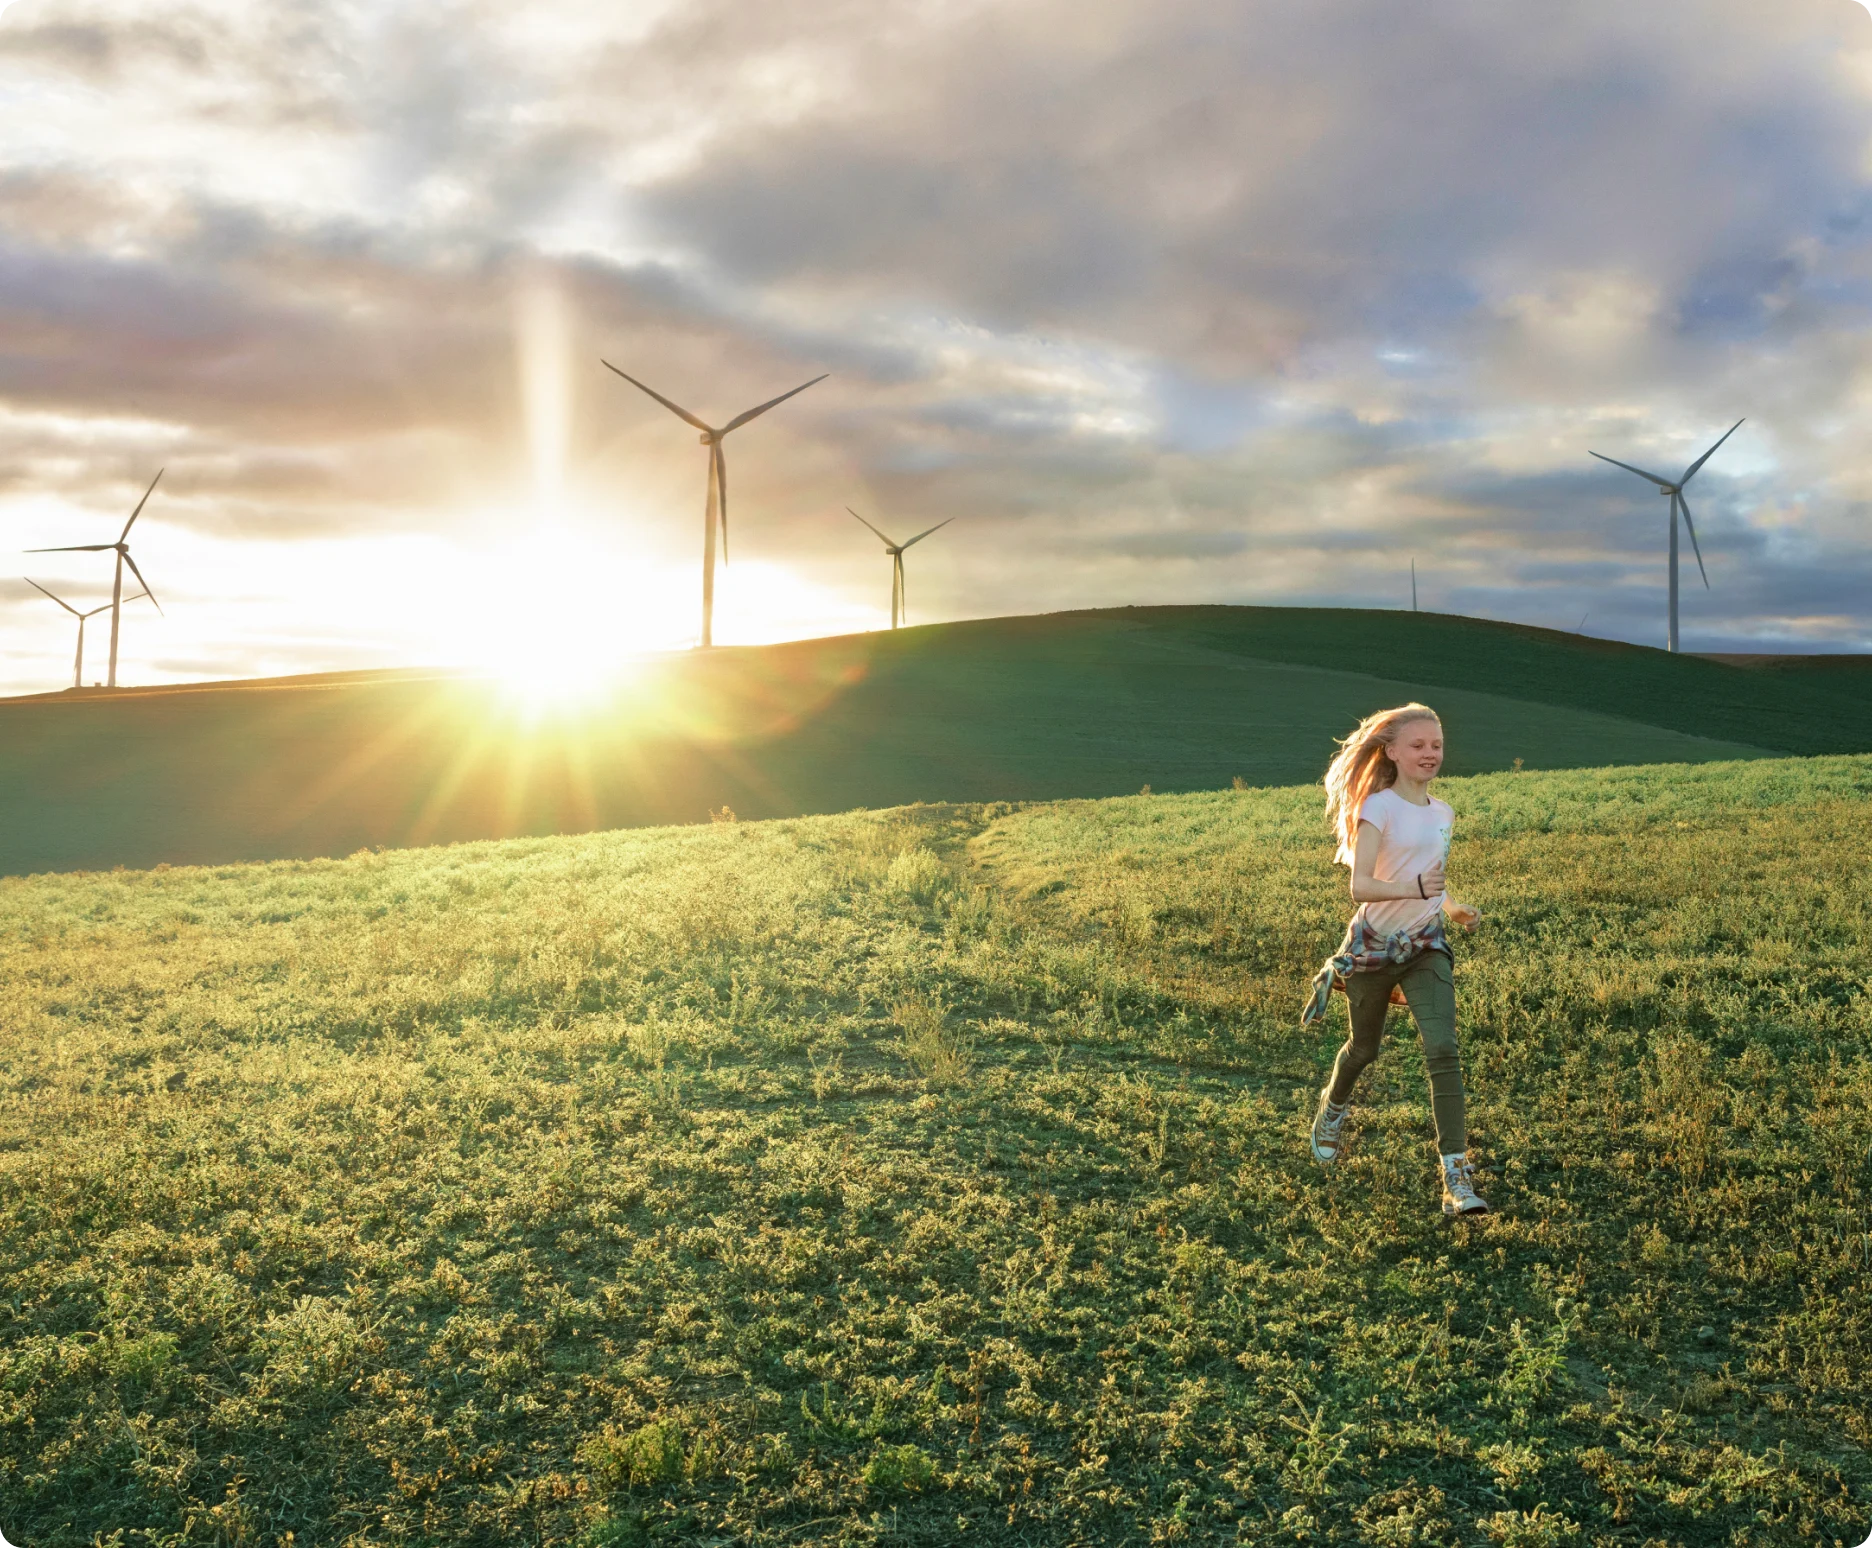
[101,53]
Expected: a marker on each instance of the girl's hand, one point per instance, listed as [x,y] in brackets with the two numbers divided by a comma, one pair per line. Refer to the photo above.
[1465,914]
[1429,882]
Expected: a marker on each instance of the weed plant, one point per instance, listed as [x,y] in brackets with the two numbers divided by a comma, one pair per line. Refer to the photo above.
[937,1175]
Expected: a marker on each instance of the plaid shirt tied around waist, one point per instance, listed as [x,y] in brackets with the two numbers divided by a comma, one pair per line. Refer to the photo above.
[1364,950]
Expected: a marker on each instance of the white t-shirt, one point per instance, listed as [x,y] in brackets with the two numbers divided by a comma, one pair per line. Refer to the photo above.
[1411,839]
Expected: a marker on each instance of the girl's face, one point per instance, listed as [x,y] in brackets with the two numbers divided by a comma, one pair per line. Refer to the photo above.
[1417,750]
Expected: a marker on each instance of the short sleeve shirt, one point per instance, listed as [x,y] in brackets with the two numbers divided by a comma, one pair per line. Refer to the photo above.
[1411,839]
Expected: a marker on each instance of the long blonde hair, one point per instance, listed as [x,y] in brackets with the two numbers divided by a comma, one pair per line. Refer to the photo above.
[1360,769]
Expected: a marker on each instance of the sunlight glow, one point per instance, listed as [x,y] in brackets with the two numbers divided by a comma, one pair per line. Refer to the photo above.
[554,628]
[758,602]
[543,346]
[548,630]
[562,618]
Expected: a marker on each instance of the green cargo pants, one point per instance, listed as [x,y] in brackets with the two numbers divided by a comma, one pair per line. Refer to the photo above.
[1430,991]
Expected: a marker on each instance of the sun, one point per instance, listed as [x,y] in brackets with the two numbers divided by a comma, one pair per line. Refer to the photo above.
[549,621]
[556,673]
[565,612]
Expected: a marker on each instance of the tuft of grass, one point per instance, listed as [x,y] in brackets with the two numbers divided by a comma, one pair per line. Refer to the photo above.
[933,1049]
[827,1072]
[650,1454]
[905,1469]
[918,875]
[1538,1528]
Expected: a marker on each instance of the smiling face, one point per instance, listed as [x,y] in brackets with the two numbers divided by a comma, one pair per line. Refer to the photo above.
[1417,750]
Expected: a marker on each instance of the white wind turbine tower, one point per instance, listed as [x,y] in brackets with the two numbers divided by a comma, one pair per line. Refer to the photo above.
[896,552]
[717,507]
[122,549]
[1677,503]
[78,660]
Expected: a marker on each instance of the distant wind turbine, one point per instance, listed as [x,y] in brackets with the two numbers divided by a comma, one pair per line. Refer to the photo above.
[896,552]
[1677,503]
[122,549]
[78,660]
[717,507]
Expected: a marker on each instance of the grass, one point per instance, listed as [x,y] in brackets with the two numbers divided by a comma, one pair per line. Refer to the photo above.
[1072,704]
[937,1175]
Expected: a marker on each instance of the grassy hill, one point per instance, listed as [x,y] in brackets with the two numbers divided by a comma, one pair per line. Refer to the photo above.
[1794,704]
[1072,704]
[936,1175]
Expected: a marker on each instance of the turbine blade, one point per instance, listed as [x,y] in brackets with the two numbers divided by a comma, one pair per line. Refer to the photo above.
[880,536]
[937,528]
[60,600]
[1690,526]
[81,548]
[139,506]
[721,495]
[141,582]
[1691,473]
[675,408]
[1662,483]
[742,419]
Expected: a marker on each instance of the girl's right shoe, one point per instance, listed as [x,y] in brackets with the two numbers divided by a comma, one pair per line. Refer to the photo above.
[1459,1195]
[1328,1139]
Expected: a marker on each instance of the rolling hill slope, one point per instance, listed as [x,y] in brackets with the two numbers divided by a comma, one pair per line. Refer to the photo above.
[1072,704]
[938,1176]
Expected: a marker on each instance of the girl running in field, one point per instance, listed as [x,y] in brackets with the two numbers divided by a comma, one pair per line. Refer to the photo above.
[1395,837]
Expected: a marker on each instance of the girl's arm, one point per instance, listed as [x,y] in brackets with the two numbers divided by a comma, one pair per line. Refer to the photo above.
[1366,888]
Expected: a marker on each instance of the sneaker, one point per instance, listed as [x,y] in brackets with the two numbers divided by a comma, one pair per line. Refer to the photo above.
[1328,1125]
[1459,1195]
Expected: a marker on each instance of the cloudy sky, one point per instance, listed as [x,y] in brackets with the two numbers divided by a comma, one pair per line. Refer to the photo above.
[1193,300]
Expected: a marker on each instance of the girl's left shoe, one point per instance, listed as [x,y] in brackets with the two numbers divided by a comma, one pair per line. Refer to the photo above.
[1328,1137]
[1459,1195]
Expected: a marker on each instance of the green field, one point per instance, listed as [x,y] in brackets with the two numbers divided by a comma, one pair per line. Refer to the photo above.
[1071,704]
[936,1175]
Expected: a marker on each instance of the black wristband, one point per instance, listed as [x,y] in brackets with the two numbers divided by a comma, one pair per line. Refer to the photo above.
[1420,892]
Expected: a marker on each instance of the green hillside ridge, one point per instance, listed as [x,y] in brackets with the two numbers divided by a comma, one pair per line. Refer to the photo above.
[937,1175]
[1072,704]
[1805,704]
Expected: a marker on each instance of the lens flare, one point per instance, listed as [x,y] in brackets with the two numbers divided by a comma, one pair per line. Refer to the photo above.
[542,336]
[547,633]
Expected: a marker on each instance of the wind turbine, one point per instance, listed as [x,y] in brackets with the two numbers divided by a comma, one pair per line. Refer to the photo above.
[122,549]
[896,552]
[717,483]
[1674,491]
[78,661]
